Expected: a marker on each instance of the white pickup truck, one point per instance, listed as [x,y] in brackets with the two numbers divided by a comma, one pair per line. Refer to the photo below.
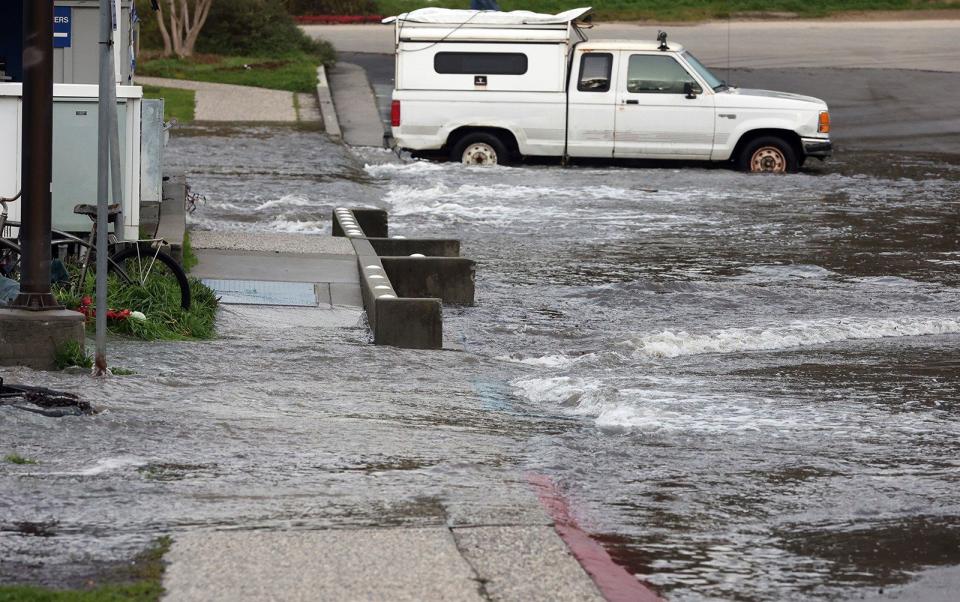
[491,87]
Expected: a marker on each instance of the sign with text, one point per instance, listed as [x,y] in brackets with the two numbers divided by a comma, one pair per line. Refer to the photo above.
[61,26]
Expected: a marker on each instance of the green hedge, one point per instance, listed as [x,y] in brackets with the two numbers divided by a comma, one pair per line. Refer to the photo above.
[238,28]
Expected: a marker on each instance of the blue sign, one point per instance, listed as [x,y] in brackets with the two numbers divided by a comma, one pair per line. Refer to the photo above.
[61,26]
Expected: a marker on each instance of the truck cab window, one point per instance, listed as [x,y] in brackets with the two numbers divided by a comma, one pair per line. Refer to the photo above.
[651,74]
[595,72]
[480,63]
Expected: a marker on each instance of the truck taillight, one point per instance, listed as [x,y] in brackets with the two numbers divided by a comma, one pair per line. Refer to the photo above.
[395,113]
[824,127]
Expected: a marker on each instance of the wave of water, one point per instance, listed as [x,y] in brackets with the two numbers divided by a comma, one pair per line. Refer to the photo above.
[658,405]
[800,333]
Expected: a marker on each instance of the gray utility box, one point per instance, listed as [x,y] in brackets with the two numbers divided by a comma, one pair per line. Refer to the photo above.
[153,137]
[76,50]
[75,158]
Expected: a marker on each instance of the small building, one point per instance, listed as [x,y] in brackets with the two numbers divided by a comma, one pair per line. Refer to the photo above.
[75,111]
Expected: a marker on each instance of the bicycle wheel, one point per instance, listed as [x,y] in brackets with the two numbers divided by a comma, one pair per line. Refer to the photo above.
[9,261]
[142,265]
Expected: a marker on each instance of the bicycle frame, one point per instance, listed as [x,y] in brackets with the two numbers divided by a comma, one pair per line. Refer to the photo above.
[59,237]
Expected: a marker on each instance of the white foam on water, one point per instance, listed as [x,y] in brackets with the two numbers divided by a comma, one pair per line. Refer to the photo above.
[415,167]
[546,361]
[288,200]
[102,466]
[799,333]
[789,272]
[660,410]
[281,224]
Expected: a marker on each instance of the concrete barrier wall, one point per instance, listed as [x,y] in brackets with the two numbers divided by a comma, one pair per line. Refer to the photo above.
[431,247]
[451,279]
[372,222]
[411,323]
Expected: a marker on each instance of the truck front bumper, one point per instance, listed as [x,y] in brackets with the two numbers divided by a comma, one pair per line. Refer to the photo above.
[817,147]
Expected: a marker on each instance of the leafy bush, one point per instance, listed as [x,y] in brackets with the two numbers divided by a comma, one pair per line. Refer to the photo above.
[253,28]
[238,28]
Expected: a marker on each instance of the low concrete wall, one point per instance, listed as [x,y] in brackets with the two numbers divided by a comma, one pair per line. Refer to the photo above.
[30,338]
[451,279]
[400,322]
[327,110]
[372,222]
[401,247]
[173,216]
[409,323]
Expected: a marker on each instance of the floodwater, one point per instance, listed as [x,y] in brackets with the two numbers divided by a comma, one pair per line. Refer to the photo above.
[748,387]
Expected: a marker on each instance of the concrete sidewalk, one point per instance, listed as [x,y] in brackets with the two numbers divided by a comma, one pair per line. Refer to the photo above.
[307,280]
[227,102]
[503,563]
[356,106]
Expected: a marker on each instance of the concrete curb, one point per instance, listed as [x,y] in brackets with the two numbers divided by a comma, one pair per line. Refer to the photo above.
[173,219]
[327,108]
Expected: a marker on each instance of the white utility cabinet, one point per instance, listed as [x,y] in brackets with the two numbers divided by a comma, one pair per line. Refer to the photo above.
[75,117]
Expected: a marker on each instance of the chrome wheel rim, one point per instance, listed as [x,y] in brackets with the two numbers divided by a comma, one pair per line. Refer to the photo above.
[479,153]
[768,159]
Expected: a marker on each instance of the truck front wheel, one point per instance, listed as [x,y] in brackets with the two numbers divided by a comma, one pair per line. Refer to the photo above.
[480,149]
[768,154]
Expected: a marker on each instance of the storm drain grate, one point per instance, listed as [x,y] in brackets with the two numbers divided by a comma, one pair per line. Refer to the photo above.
[259,292]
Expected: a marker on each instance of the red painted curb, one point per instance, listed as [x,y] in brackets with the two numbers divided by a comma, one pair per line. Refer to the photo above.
[613,581]
[336,19]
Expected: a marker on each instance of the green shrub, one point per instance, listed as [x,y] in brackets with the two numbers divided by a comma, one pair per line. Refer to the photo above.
[253,28]
[237,28]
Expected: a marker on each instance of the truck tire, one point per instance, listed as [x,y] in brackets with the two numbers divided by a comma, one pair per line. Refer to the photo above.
[480,148]
[768,154]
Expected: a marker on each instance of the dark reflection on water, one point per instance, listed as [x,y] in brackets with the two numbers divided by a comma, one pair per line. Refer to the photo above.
[746,385]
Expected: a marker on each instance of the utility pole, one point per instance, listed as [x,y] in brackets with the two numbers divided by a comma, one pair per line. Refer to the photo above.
[108,147]
[36,172]
[34,326]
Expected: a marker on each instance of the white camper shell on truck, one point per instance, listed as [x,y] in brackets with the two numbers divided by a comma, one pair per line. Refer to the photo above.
[492,87]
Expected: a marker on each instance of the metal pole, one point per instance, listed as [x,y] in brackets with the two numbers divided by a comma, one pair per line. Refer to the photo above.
[37,151]
[116,176]
[107,92]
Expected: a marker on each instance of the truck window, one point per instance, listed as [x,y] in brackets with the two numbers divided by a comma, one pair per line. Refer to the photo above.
[650,74]
[483,63]
[595,72]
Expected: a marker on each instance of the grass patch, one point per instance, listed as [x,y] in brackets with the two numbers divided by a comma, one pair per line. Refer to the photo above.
[118,371]
[18,459]
[294,72]
[159,301]
[685,10]
[189,260]
[177,103]
[71,354]
[140,581]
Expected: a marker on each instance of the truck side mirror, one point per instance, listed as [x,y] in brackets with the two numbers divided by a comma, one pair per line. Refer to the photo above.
[691,90]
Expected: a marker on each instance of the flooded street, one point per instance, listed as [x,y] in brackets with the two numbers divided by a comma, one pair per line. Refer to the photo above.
[747,386]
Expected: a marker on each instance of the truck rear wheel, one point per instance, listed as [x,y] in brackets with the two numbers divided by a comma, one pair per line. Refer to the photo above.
[768,154]
[480,149]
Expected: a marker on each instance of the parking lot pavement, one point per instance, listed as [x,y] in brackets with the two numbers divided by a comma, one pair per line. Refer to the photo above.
[887,110]
[919,44]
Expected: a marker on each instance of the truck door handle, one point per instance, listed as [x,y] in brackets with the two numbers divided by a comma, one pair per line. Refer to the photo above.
[631,102]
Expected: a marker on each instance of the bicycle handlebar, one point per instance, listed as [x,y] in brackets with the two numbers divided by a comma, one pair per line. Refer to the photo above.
[11,199]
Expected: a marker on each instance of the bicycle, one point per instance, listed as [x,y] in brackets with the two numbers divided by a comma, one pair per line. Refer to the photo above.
[135,263]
